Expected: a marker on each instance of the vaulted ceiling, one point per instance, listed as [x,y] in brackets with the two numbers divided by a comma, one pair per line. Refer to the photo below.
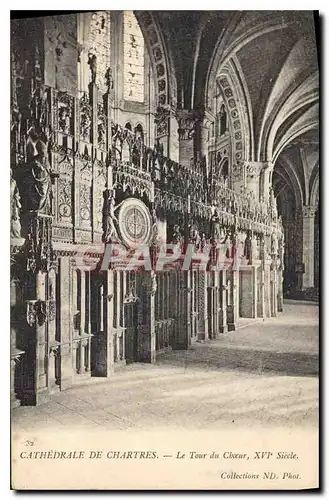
[276,54]
[276,58]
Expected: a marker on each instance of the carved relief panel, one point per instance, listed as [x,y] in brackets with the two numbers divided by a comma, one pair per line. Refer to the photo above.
[63,189]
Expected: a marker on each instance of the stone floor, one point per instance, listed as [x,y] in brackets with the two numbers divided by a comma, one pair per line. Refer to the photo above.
[263,374]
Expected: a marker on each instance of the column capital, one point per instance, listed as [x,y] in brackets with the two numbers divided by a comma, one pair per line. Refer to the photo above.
[161,119]
[308,211]
[187,121]
[254,168]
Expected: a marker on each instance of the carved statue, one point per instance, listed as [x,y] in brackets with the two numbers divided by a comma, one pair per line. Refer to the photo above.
[177,235]
[203,241]
[35,179]
[153,283]
[109,79]
[101,132]
[274,244]
[248,248]
[215,226]
[109,215]
[194,236]
[64,120]
[15,206]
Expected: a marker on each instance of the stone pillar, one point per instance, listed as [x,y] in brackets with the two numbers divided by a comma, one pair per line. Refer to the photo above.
[105,358]
[248,291]
[146,334]
[42,361]
[203,333]
[274,290]
[82,307]
[186,132]
[233,309]
[65,324]
[15,356]
[308,245]
[255,172]
[214,305]
[183,330]
[261,272]
[265,176]
[53,344]
[222,302]
[166,131]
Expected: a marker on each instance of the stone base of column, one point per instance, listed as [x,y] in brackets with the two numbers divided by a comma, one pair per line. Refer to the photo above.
[223,329]
[36,398]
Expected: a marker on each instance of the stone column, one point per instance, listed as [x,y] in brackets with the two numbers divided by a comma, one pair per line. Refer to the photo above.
[233,317]
[166,131]
[82,308]
[186,132]
[308,245]
[261,298]
[203,333]
[15,356]
[65,323]
[183,331]
[53,345]
[146,334]
[42,361]
[253,174]
[105,358]
[248,291]
[266,171]
[222,294]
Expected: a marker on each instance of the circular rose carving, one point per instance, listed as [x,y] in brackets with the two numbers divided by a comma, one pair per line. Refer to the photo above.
[135,223]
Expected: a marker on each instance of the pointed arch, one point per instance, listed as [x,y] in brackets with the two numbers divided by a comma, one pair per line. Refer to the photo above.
[163,70]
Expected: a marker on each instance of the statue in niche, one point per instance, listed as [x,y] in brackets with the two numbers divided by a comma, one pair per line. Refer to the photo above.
[223,120]
[92,61]
[231,252]
[109,79]
[281,250]
[35,178]
[215,228]
[101,133]
[109,216]
[248,248]
[15,206]
[203,242]
[177,238]
[153,215]
[64,120]
[274,244]
[194,236]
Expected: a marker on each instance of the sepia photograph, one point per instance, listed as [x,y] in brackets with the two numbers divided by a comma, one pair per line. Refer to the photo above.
[164,250]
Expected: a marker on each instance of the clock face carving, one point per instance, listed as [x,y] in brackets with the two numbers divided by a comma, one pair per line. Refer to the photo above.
[134,223]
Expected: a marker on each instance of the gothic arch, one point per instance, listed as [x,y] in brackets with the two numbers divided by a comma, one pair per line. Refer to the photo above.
[292,134]
[314,188]
[165,81]
[289,173]
[238,109]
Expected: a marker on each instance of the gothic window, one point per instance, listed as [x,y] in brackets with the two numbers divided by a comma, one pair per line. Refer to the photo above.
[139,132]
[224,171]
[94,40]
[133,46]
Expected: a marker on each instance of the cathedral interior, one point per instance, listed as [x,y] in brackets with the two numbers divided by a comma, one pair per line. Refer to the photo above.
[187,127]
